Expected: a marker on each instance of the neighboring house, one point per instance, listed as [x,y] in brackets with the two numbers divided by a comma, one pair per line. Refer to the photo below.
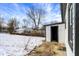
[55,32]
[20,30]
[23,30]
[4,27]
[70,16]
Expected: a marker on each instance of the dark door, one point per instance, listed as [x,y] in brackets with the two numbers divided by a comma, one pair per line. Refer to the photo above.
[54,33]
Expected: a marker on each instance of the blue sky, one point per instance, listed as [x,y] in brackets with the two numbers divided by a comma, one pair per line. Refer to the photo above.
[18,10]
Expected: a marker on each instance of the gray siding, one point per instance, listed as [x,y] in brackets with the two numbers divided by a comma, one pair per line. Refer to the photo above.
[77,31]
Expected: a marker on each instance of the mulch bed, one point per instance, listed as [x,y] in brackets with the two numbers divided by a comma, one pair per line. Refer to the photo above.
[49,49]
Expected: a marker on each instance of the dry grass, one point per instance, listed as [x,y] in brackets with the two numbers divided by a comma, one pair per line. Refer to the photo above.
[49,49]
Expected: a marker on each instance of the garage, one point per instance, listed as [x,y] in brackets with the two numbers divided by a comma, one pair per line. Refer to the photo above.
[55,32]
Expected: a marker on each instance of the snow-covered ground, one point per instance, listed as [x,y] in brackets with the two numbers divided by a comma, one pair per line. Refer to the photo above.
[14,45]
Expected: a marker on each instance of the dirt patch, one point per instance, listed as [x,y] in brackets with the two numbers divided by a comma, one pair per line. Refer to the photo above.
[49,49]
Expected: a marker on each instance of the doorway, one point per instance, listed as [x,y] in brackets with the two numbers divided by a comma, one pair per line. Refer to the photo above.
[54,33]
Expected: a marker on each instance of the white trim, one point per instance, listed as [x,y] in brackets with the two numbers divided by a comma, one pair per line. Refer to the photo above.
[74,29]
[68,49]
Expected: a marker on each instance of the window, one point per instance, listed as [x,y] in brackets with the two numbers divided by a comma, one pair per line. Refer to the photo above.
[70,26]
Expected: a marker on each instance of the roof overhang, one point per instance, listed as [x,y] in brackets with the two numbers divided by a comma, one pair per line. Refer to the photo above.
[63,11]
[54,24]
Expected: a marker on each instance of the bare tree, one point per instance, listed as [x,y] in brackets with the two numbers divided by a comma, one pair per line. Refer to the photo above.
[25,23]
[1,21]
[36,15]
[13,24]
[0,26]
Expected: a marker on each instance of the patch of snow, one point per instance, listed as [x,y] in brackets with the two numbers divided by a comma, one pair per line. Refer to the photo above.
[14,45]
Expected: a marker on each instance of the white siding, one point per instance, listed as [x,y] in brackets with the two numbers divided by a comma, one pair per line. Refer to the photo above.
[48,33]
[61,33]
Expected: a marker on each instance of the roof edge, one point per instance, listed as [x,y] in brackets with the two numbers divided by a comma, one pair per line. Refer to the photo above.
[53,24]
